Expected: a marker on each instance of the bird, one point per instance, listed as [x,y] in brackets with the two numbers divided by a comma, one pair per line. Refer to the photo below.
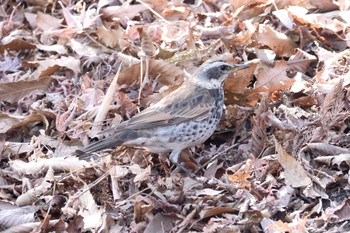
[184,118]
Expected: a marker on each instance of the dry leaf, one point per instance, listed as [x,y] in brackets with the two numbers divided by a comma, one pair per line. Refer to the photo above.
[47,22]
[247,10]
[15,44]
[124,11]
[160,223]
[216,211]
[167,74]
[300,61]
[281,44]
[274,79]
[110,36]
[13,91]
[342,161]
[146,43]
[294,173]
[50,66]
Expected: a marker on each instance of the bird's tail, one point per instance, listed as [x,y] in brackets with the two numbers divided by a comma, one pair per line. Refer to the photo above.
[109,142]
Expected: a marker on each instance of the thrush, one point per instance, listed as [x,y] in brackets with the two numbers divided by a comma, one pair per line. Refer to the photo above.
[184,118]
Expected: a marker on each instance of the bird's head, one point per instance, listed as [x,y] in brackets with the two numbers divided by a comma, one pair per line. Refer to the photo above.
[213,74]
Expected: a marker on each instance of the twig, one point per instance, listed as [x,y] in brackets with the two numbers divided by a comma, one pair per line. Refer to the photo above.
[153,11]
[215,156]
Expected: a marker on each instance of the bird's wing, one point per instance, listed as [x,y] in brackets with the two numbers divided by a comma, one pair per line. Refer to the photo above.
[180,106]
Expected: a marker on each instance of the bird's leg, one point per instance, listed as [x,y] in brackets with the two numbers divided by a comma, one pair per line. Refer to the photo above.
[175,157]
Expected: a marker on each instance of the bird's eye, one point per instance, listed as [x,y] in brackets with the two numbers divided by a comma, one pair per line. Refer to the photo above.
[223,67]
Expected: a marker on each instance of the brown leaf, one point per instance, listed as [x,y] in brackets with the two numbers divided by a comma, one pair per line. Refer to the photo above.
[241,178]
[274,79]
[110,36]
[51,65]
[325,5]
[259,129]
[30,119]
[343,211]
[342,161]
[216,211]
[47,22]
[13,91]
[7,121]
[300,61]
[160,223]
[146,42]
[141,208]
[176,13]
[15,44]
[332,106]
[238,81]
[248,9]
[281,44]
[294,173]
[168,74]
[124,11]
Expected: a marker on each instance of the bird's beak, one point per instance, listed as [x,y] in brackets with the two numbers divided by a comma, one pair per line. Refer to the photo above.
[239,66]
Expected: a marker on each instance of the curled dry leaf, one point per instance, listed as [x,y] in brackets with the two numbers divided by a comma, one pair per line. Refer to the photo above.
[217,211]
[32,195]
[142,174]
[294,173]
[342,161]
[36,117]
[147,45]
[322,149]
[7,121]
[57,164]
[94,215]
[313,31]
[259,129]
[342,211]
[142,206]
[50,66]
[244,38]
[336,67]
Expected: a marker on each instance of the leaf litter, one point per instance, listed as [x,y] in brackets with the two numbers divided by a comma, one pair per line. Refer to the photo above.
[278,162]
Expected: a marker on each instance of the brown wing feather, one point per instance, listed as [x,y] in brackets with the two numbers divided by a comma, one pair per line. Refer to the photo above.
[166,112]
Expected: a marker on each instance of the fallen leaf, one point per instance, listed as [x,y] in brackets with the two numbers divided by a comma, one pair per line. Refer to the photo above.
[274,79]
[13,91]
[294,173]
[167,74]
[279,42]
[51,65]
[300,61]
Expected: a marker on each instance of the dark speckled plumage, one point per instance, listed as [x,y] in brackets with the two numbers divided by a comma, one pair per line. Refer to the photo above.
[184,118]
